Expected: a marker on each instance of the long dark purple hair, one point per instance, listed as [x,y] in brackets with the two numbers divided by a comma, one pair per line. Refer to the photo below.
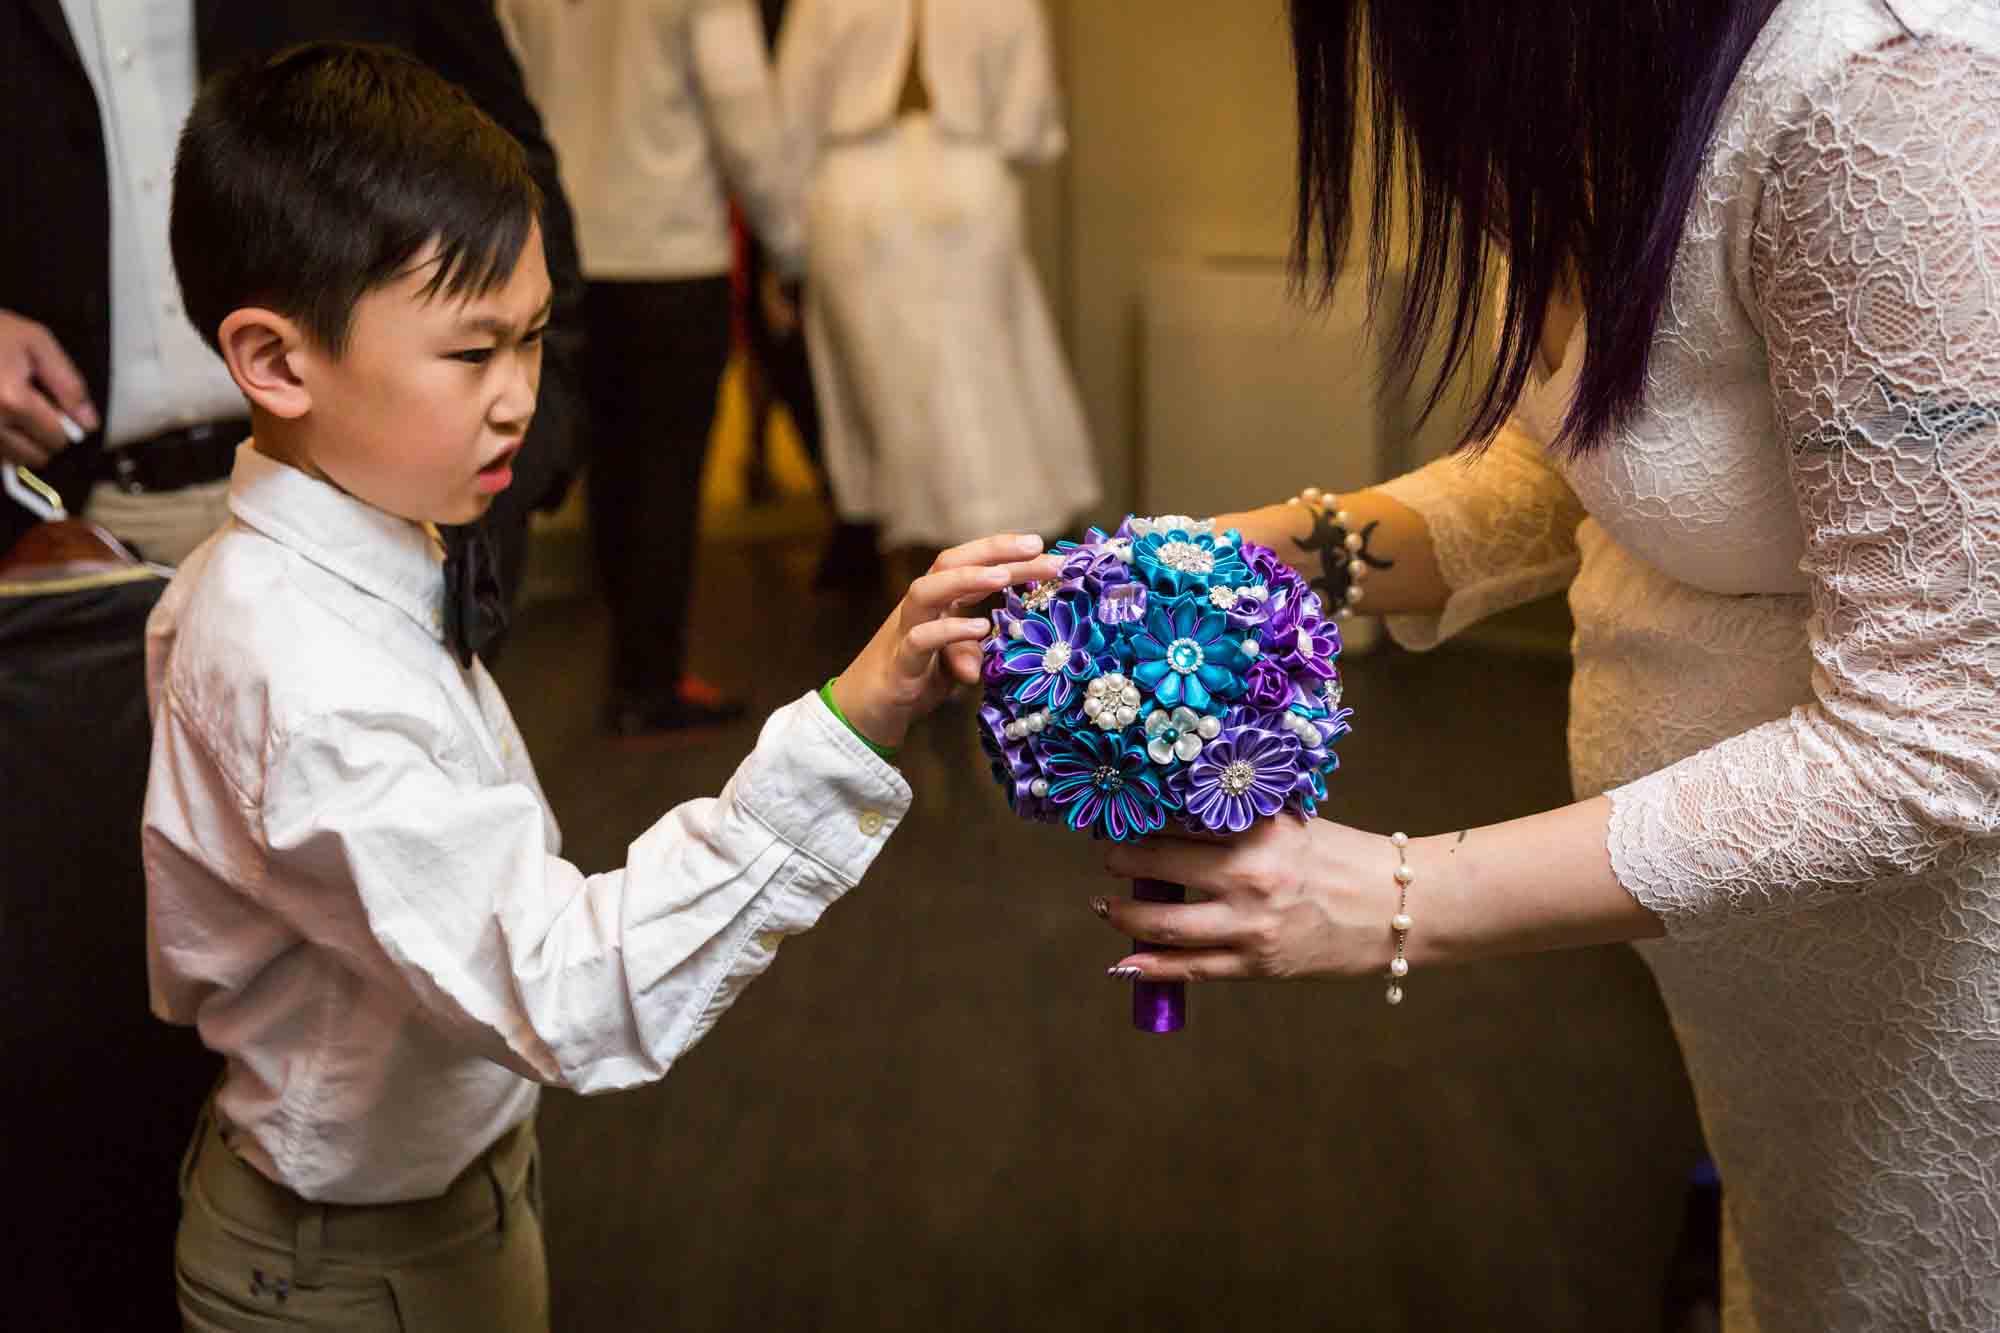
[1571,132]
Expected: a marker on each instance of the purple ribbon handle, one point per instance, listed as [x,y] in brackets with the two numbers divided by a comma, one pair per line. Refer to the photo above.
[1158,1006]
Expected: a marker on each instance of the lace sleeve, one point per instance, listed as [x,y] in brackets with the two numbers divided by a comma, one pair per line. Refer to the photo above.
[1504,527]
[1874,271]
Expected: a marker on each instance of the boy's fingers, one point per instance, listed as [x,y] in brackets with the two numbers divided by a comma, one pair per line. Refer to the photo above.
[925,641]
[936,593]
[946,590]
[990,551]
[1034,571]
[963,661]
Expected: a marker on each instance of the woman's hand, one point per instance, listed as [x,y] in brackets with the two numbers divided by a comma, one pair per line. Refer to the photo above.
[1290,898]
[925,645]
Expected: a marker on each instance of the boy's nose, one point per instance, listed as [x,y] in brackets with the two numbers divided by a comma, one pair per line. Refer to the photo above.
[516,403]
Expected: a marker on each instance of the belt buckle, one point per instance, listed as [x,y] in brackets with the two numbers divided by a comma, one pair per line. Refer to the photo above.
[125,469]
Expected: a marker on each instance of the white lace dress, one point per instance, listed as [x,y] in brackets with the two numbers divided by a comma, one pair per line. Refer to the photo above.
[1785,577]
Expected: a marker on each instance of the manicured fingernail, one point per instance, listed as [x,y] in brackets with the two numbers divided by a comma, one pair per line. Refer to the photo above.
[1100,906]
[1029,544]
[71,430]
[1122,973]
[87,414]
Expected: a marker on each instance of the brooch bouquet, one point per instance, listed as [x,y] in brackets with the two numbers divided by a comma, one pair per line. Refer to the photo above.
[1172,674]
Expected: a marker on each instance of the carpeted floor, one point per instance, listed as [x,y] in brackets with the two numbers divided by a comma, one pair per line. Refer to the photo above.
[933,1114]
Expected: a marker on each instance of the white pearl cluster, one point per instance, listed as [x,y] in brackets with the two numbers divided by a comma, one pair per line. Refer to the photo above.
[1312,497]
[1028,724]
[1399,966]
[1111,701]
[1302,727]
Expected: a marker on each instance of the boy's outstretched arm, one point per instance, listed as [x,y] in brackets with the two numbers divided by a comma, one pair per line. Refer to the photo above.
[909,666]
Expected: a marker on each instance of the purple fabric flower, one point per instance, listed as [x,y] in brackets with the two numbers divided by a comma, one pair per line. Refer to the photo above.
[1249,607]
[1243,775]
[1183,655]
[1297,637]
[1094,565]
[1266,686]
[1056,651]
[1103,785]
[1014,765]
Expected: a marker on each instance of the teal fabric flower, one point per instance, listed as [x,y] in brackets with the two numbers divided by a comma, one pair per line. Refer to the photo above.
[1176,560]
[1186,655]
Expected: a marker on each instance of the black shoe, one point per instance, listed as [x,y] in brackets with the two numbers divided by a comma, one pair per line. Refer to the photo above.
[642,719]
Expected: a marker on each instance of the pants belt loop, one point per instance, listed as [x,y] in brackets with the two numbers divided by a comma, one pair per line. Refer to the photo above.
[309,1240]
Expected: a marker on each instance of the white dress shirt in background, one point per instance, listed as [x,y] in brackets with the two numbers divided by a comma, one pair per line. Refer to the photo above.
[139,55]
[658,109]
[353,879]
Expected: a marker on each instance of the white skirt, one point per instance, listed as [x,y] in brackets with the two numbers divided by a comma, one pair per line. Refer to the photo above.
[947,407]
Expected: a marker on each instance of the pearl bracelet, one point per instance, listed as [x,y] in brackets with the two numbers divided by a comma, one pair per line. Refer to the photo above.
[1343,559]
[1399,966]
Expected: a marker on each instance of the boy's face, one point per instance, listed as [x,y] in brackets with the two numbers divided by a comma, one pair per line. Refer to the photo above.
[424,411]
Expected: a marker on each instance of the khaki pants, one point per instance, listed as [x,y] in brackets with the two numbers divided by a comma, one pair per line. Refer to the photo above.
[164,525]
[252,1255]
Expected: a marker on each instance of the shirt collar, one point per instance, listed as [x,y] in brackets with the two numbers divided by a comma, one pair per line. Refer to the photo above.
[385,556]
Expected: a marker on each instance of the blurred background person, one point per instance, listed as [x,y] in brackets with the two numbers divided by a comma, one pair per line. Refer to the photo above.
[776,371]
[658,108]
[945,401]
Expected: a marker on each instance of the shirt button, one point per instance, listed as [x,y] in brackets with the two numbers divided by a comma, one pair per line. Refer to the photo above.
[124,57]
[871,822]
[171,308]
[769,940]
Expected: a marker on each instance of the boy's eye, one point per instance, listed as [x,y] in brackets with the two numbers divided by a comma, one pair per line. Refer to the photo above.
[474,356]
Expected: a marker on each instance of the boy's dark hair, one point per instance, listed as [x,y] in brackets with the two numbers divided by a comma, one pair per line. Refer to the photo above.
[307,180]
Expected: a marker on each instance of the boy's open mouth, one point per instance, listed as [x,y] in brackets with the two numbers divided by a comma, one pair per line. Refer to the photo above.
[499,474]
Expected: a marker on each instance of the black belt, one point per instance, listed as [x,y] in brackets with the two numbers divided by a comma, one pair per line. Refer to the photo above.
[175,458]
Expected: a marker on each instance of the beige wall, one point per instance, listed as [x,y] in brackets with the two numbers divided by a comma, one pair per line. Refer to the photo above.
[1181,147]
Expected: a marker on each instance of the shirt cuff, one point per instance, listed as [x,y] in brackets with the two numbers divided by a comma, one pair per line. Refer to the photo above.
[822,790]
[887,752]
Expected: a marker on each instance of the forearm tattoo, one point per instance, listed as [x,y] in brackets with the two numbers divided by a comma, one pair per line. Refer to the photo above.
[1344,557]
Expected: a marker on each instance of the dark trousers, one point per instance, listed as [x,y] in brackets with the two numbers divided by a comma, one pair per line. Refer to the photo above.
[657,353]
[782,358]
[96,1089]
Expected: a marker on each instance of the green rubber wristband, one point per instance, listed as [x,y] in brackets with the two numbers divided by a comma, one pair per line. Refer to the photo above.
[887,752]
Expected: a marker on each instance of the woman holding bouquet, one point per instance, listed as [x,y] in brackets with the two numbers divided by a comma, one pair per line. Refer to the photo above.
[1747,408]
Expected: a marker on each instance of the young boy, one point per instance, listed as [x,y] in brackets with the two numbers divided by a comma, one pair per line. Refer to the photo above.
[353,881]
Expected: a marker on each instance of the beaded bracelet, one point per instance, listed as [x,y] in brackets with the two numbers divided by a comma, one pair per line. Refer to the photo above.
[1399,966]
[1343,552]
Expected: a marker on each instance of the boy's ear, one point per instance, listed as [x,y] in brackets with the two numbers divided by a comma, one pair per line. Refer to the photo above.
[261,349]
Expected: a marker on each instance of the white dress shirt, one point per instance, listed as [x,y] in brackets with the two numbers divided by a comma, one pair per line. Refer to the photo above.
[658,108]
[987,65]
[140,57]
[353,879]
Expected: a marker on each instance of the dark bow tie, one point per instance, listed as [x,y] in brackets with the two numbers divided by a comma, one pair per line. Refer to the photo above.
[474,611]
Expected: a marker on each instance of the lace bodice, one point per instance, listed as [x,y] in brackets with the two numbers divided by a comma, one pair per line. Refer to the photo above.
[1787,596]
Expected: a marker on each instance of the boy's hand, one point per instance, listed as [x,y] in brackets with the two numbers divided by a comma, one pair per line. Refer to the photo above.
[909,666]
